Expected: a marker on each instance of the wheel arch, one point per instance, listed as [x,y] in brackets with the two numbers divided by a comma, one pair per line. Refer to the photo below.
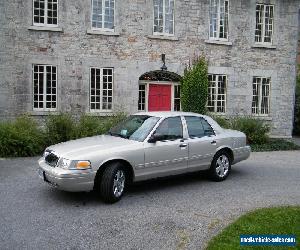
[127,167]
[228,150]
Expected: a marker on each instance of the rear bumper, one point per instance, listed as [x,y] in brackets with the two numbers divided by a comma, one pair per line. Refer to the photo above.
[241,154]
[65,179]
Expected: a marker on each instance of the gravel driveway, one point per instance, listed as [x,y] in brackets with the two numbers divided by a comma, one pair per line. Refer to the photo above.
[177,213]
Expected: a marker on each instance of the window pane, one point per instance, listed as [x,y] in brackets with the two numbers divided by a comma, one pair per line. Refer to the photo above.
[158,16]
[109,14]
[195,127]
[213,12]
[207,128]
[170,128]
[169,16]
[177,98]
[97,14]
[142,97]
[259,22]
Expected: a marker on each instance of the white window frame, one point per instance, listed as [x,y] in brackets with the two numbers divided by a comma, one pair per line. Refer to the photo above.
[44,88]
[264,24]
[260,97]
[45,24]
[173,96]
[164,33]
[142,103]
[216,88]
[103,17]
[211,36]
[101,90]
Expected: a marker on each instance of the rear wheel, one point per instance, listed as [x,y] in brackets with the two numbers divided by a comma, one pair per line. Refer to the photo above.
[220,166]
[112,184]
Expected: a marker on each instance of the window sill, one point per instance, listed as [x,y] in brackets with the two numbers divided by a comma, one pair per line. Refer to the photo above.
[102,32]
[45,28]
[264,46]
[219,42]
[163,37]
[43,112]
[100,113]
[262,117]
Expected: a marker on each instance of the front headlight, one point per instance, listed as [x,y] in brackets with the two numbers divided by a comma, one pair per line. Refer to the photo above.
[64,163]
[46,152]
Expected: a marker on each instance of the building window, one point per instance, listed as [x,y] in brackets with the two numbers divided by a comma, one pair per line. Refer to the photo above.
[44,87]
[101,87]
[176,97]
[264,23]
[261,96]
[142,97]
[217,93]
[163,17]
[219,11]
[45,13]
[103,14]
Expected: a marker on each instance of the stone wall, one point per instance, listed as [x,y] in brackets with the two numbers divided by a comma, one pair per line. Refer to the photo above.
[133,50]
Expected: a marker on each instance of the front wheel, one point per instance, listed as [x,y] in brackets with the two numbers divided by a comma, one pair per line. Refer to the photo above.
[112,183]
[220,166]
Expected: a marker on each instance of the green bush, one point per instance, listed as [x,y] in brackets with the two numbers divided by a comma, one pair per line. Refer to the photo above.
[59,128]
[21,137]
[297,109]
[194,87]
[95,125]
[255,130]
[223,122]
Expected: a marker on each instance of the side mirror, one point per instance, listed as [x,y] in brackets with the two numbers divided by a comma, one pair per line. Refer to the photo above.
[155,137]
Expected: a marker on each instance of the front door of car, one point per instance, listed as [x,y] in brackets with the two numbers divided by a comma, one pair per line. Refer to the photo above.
[169,153]
[202,142]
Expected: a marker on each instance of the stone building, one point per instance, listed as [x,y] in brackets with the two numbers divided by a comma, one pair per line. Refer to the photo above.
[101,56]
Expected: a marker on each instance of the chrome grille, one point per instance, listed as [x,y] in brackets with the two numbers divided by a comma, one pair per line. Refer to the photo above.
[51,159]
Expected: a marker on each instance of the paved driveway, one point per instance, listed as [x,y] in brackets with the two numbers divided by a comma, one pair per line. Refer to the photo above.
[178,213]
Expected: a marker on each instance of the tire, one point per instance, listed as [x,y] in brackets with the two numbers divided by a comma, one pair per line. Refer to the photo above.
[112,183]
[220,166]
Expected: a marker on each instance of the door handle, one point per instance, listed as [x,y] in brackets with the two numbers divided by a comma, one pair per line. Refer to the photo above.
[213,142]
[183,145]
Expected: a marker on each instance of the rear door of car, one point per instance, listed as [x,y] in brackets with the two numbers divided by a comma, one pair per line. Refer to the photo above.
[170,154]
[202,142]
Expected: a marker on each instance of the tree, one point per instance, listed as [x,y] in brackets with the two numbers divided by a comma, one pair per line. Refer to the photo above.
[194,87]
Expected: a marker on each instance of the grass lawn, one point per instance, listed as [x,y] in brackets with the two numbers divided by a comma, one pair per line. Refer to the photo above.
[280,220]
[275,145]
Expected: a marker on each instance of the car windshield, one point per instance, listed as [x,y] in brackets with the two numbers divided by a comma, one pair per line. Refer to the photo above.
[135,127]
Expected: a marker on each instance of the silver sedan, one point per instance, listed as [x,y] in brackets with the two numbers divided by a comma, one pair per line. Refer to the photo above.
[144,146]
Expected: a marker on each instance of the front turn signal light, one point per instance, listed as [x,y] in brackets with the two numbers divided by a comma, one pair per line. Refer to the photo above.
[83,165]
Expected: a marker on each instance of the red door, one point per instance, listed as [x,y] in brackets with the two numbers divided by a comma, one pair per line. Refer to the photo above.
[159,97]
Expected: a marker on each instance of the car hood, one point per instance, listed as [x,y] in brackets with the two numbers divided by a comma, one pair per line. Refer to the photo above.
[76,148]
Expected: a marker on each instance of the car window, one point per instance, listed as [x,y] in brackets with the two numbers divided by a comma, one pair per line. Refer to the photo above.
[208,130]
[170,128]
[198,127]
[135,127]
[195,127]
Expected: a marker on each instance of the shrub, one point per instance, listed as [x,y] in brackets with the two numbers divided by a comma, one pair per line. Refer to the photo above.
[95,125]
[21,137]
[221,121]
[297,109]
[59,128]
[255,130]
[194,87]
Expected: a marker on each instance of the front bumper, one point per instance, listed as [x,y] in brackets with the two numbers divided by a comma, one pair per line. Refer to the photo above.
[66,179]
